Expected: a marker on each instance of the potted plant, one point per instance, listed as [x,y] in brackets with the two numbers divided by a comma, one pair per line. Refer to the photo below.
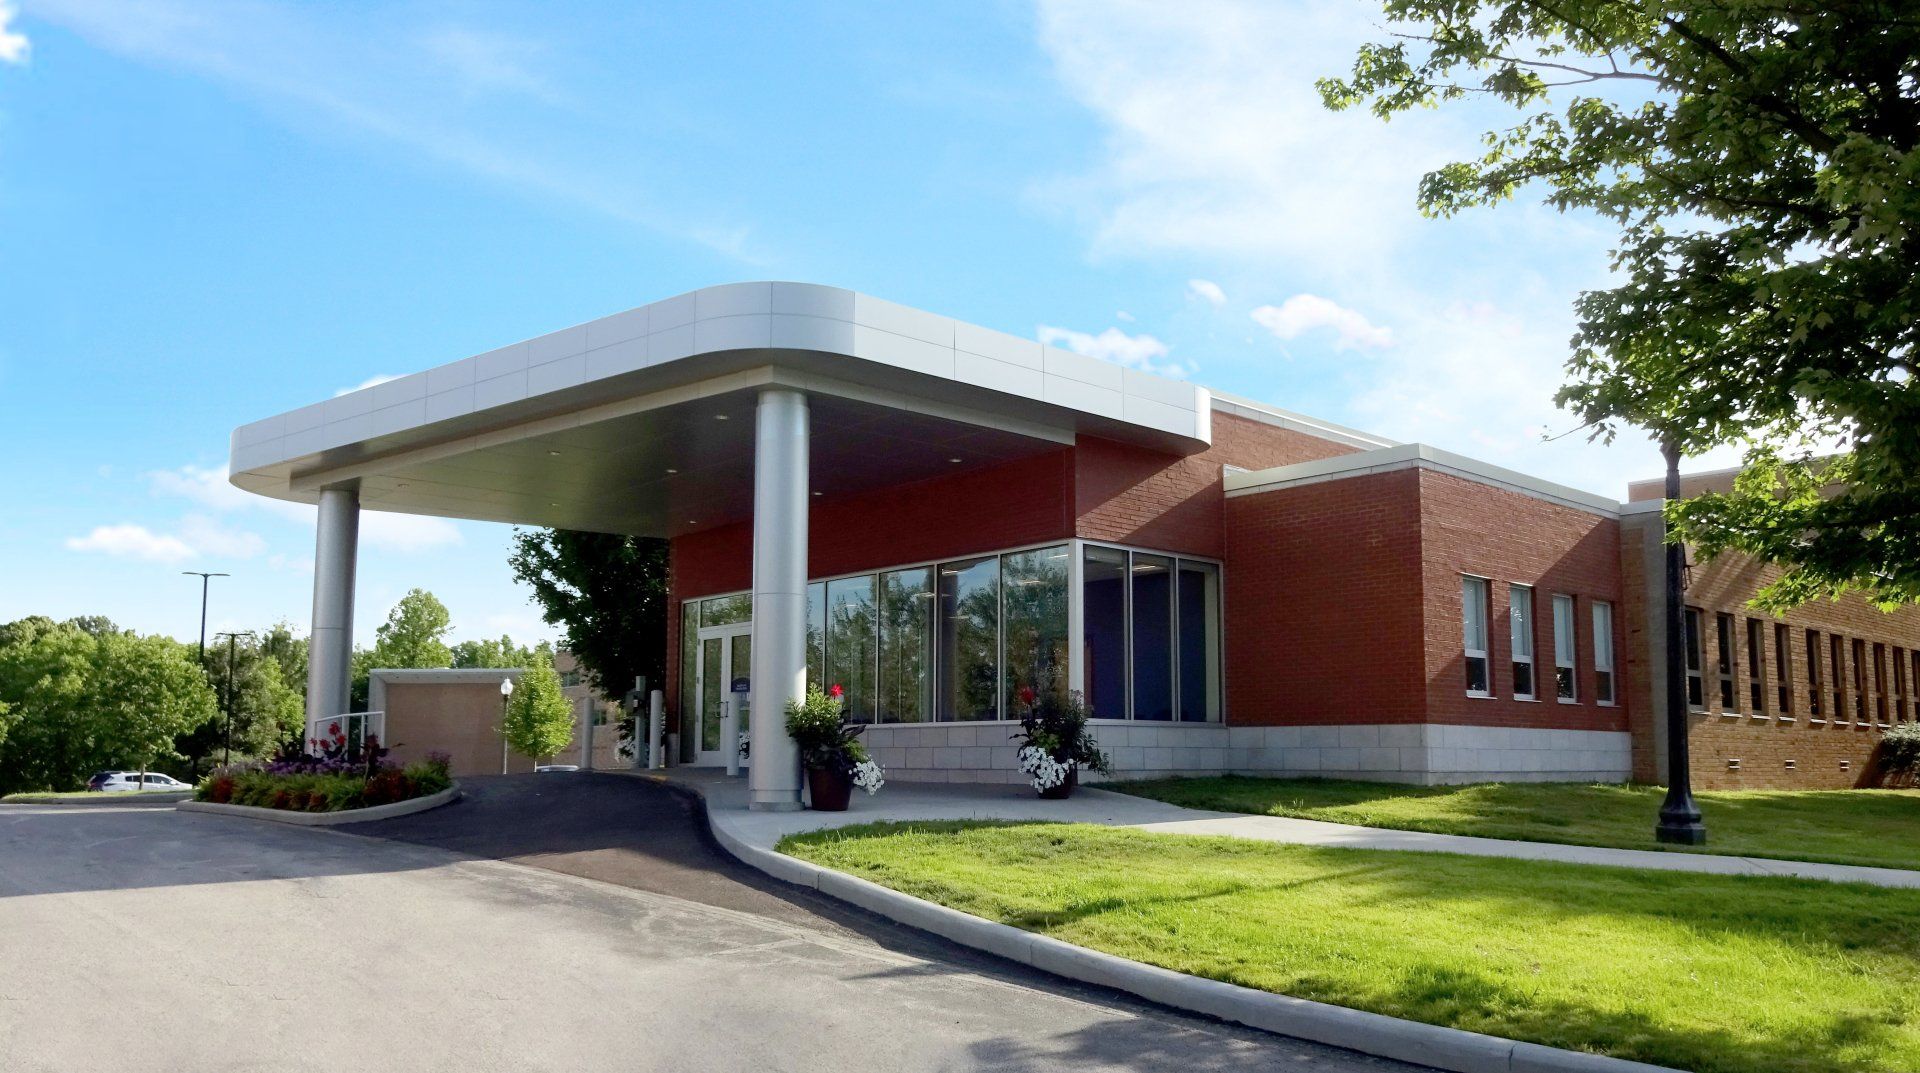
[1055,743]
[835,760]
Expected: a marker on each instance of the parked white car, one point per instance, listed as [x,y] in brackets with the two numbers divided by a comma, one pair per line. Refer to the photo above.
[120,782]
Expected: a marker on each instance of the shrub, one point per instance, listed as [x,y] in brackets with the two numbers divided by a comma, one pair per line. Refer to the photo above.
[827,741]
[1057,727]
[1899,753]
[306,786]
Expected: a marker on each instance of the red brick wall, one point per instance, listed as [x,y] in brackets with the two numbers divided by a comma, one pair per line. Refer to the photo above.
[1131,495]
[1512,538]
[1322,602]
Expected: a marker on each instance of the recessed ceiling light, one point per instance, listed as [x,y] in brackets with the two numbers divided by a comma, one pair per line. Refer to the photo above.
[953,460]
[673,471]
[816,493]
[719,417]
[555,454]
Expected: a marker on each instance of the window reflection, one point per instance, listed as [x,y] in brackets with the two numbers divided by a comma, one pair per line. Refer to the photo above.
[851,623]
[906,645]
[1152,637]
[968,663]
[1034,599]
[1103,645]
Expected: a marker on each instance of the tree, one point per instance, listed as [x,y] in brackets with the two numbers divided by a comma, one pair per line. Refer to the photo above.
[289,651]
[539,718]
[608,596]
[266,711]
[1760,160]
[80,701]
[412,637]
[484,653]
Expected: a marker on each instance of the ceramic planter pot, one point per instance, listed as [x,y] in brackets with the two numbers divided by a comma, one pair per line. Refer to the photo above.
[830,789]
[1065,789]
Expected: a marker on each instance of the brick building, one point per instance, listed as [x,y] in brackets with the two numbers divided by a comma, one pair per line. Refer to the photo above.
[947,521]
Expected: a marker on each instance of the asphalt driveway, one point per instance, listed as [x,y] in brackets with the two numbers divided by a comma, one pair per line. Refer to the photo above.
[572,922]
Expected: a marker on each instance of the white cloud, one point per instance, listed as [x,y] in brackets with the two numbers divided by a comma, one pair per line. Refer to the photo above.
[1217,146]
[1207,291]
[13,43]
[132,542]
[371,381]
[1141,352]
[1305,313]
[406,532]
[207,537]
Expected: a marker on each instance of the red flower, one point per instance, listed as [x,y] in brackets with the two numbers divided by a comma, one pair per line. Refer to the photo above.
[1027,695]
[835,691]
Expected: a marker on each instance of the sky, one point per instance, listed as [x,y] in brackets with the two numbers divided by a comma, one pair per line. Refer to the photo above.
[213,211]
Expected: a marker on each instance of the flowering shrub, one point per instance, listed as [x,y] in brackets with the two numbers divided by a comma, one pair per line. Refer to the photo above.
[1054,739]
[1898,754]
[828,742]
[323,785]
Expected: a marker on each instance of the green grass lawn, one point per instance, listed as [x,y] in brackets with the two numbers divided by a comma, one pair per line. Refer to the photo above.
[38,797]
[1708,973]
[1875,827]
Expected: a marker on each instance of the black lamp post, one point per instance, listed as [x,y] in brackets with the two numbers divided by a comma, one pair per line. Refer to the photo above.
[204,577]
[1679,816]
[226,752]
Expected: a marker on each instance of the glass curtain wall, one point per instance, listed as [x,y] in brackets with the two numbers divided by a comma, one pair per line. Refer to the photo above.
[965,640]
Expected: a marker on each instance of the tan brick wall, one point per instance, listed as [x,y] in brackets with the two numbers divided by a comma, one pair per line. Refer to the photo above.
[463,719]
[1828,749]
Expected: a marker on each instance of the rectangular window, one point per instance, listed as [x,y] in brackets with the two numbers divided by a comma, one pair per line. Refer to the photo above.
[1520,619]
[1603,652]
[1103,643]
[1836,652]
[726,610]
[852,626]
[1815,688]
[1473,618]
[1879,682]
[1696,694]
[1151,656]
[1565,650]
[1899,684]
[1199,629]
[1723,635]
[1756,660]
[906,645]
[689,668]
[968,660]
[1859,680]
[1783,667]
[1035,602]
[817,636]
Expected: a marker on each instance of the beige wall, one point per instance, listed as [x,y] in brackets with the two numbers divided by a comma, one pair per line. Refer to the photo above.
[463,719]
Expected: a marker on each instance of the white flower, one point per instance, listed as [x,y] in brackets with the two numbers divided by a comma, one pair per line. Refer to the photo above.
[868,776]
[1046,771]
[745,742]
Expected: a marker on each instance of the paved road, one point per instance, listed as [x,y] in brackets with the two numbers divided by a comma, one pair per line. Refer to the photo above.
[187,941]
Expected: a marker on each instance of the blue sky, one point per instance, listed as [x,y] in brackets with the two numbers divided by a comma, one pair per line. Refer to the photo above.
[216,210]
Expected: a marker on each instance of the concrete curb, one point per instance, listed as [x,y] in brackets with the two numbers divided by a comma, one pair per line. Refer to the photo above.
[327,819]
[111,800]
[1356,1030]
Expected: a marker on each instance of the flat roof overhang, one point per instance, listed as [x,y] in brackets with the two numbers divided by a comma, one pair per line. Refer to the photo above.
[643,422]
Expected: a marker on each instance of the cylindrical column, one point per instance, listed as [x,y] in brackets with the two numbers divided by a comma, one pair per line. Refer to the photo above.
[779,594]
[656,715]
[330,645]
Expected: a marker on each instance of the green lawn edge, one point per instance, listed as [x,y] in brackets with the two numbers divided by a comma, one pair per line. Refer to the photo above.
[1870,828]
[1705,972]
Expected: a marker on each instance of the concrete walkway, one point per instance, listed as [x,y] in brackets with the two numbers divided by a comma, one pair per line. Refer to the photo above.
[726,802]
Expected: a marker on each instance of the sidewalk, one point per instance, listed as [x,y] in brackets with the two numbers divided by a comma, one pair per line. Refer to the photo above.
[726,805]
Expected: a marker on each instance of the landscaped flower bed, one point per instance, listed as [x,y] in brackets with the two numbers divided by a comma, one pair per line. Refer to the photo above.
[308,785]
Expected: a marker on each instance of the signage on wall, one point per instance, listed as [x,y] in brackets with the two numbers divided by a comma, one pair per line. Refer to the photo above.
[740,685]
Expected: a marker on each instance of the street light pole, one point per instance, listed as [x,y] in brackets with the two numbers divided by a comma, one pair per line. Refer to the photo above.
[506,696]
[205,577]
[226,753]
[1679,816]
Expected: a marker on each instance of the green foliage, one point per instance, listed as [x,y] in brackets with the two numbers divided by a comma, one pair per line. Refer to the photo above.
[267,712]
[243,784]
[1762,161]
[608,596]
[80,701]
[413,637]
[1899,752]
[482,654]
[828,742]
[1057,725]
[289,651]
[539,721]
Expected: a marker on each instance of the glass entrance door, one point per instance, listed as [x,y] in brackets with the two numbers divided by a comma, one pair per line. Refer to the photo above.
[725,656]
